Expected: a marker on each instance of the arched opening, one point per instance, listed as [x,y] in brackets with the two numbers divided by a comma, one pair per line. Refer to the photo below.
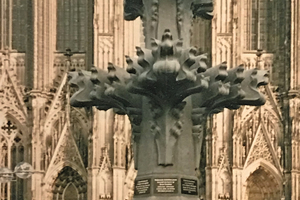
[71,25]
[12,152]
[69,185]
[262,185]
[70,192]
[259,24]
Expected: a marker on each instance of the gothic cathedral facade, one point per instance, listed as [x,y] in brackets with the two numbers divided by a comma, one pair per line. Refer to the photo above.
[251,153]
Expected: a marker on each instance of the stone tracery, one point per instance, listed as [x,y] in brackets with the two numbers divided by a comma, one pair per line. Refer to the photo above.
[66,178]
[261,184]
[13,151]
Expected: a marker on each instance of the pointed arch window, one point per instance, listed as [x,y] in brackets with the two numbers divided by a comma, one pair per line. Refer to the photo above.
[12,152]
[71,25]
[17,155]
[259,25]
[5,23]
[19,24]
[3,163]
[70,192]
[69,185]
[13,24]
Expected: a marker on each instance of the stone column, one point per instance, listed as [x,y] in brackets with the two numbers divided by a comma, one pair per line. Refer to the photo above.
[237,167]
[166,156]
[119,171]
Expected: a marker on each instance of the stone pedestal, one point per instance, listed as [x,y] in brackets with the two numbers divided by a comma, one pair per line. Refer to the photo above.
[166,158]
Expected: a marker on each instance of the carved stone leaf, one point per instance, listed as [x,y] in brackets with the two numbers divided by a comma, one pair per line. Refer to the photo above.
[185,73]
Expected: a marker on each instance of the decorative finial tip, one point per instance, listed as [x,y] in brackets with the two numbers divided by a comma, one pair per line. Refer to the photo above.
[167,35]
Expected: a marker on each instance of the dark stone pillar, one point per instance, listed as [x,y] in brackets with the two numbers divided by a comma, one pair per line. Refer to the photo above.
[166,155]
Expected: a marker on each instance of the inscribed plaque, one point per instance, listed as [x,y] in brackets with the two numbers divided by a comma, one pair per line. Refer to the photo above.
[189,186]
[142,187]
[165,185]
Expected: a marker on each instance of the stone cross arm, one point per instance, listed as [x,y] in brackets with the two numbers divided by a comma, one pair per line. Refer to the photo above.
[167,92]
[166,75]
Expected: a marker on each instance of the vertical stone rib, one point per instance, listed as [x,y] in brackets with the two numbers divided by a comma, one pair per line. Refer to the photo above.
[45,54]
[100,13]
[126,38]
[34,43]
[105,16]
[297,23]
[1,24]
[218,16]
[229,16]
[95,35]
[223,17]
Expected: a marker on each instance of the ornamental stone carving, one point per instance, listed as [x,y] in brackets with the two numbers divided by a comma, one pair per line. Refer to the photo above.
[67,150]
[167,92]
[174,87]
[260,149]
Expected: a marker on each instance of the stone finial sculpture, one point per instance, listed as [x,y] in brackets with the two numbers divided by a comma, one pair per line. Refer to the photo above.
[167,92]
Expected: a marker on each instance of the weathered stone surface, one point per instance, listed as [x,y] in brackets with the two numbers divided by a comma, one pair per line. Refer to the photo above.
[167,92]
[167,75]
[133,9]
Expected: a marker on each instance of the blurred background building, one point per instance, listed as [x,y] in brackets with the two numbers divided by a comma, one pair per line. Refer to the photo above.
[251,153]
